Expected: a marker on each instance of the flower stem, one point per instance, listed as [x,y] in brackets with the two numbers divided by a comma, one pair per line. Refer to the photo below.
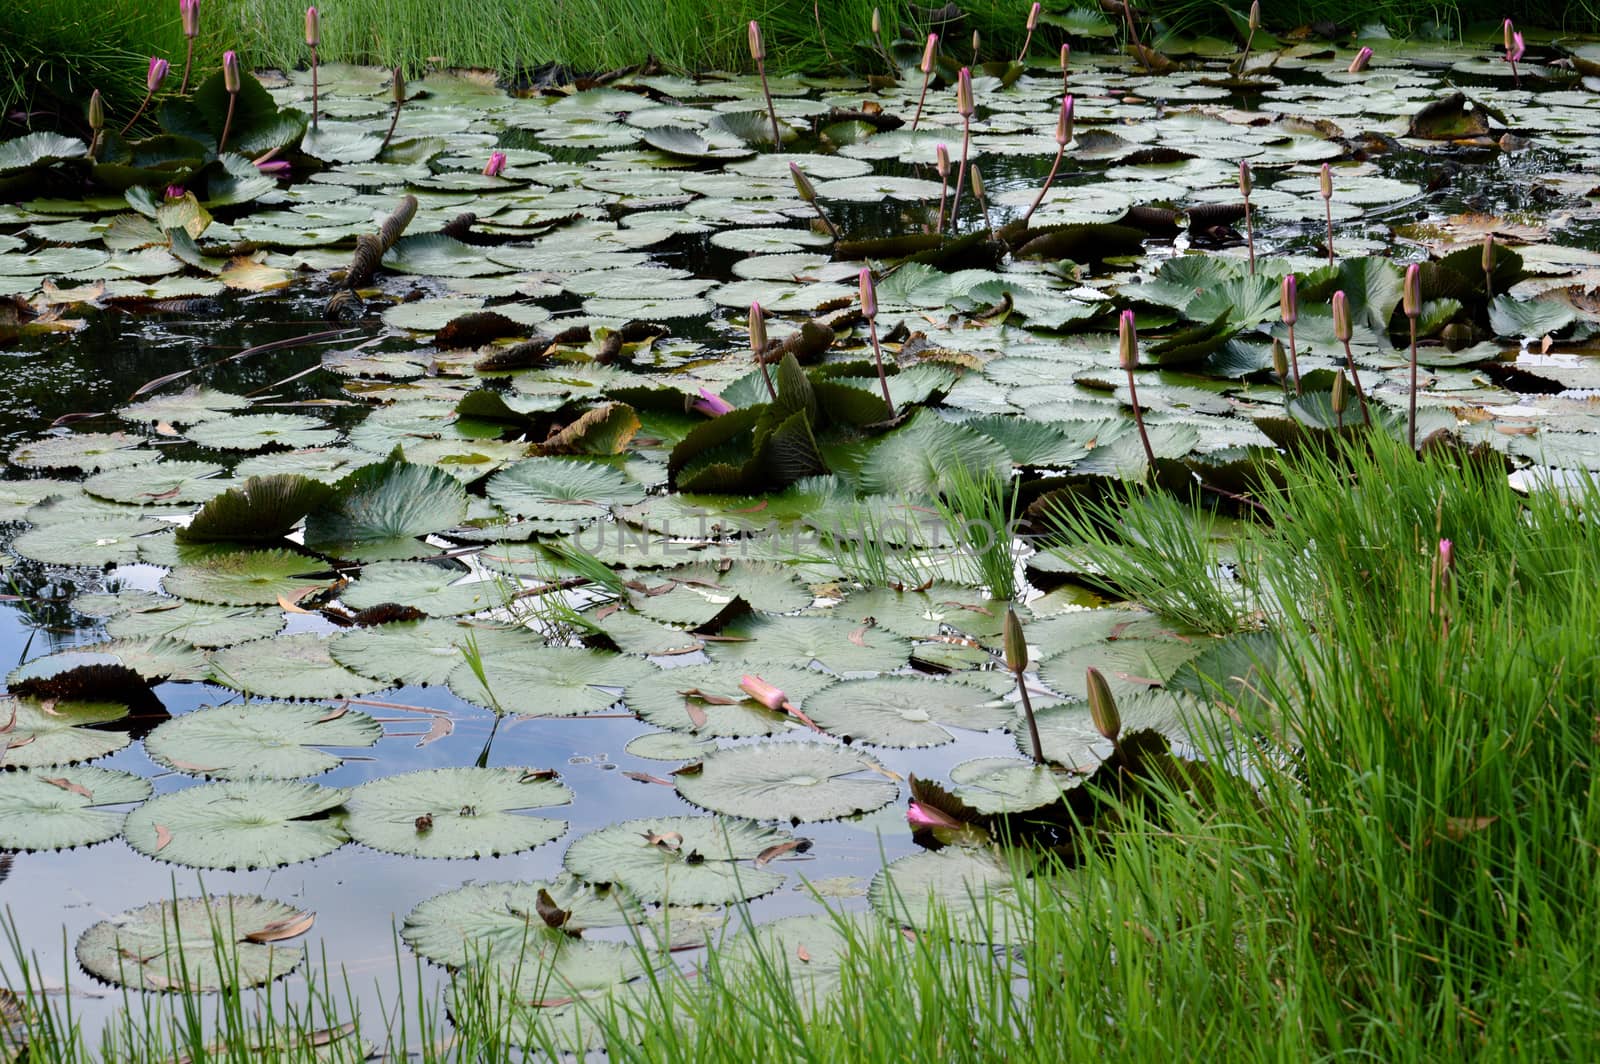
[1327,206]
[927,76]
[772,112]
[961,174]
[314,87]
[877,356]
[145,103]
[1250,234]
[1294,360]
[1061,150]
[188,61]
[394,120]
[227,123]
[1411,416]
[1355,378]
[1138,420]
[1033,727]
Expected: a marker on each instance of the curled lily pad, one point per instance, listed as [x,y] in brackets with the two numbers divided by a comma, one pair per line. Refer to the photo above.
[247,578]
[240,824]
[789,781]
[905,710]
[684,860]
[384,504]
[457,812]
[260,740]
[495,923]
[291,666]
[260,510]
[35,733]
[54,809]
[195,945]
[162,658]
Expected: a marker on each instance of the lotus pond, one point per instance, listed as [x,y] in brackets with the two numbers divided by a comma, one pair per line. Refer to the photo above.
[418,593]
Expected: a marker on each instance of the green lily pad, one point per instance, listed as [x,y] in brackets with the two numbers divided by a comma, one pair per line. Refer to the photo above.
[566,490]
[707,699]
[996,785]
[456,812]
[88,451]
[685,860]
[34,736]
[389,502]
[247,578]
[195,945]
[196,623]
[260,740]
[669,746]
[423,652]
[498,923]
[240,824]
[972,893]
[788,781]
[920,455]
[808,951]
[840,646]
[253,432]
[261,510]
[548,681]
[425,586]
[91,541]
[56,809]
[905,711]
[149,483]
[291,666]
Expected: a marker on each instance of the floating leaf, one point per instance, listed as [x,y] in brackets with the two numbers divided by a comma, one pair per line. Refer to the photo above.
[388,502]
[430,588]
[253,432]
[498,923]
[191,945]
[456,812]
[149,483]
[259,740]
[905,711]
[290,666]
[247,577]
[565,490]
[548,681]
[707,699]
[55,809]
[196,623]
[798,641]
[788,781]
[679,860]
[1006,785]
[970,893]
[241,824]
[32,735]
[263,509]
[423,652]
[91,541]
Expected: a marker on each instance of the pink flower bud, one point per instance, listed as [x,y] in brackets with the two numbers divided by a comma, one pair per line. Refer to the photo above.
[1326,179]
[1288,300]
[1506,30]
[1064,122]
[1447,555]
[929,52]
[1033,17]
[1488,253]
[1359,63]
[496,164]
[1412,292]
[869,293]
[155,75]
[273,167]
[175,192]
[1066,57]
[1517,48]
[762,691]
[758,328]
[941,160]
[230,70]
[1342,330]
[966,107]
[712,405]
[758,47]
[1244,179]
[313,28]
[926,816]
[1127,341]
[189,14]
[1255,15]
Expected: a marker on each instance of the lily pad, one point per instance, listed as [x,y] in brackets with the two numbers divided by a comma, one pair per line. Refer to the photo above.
[260,740]
[456,812]
[788,781]
[35,734]
[149,483]
[430,588]
[88,451]
[839,646]
[1006,785]
[195,945]
[707,699]
[389,502]
[253,432]
[973,893]
[423,652]
[247,578]
[56,809]
[548,681]
[687,860]
[240,824]
[261,510]
[566,490]
[905,711]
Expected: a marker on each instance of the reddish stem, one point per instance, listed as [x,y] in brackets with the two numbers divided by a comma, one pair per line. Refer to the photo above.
[227,123]
[961,174]
[1138,420]
[145,103]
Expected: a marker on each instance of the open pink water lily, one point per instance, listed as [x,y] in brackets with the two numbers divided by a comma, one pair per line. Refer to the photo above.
[496,164]
[926,816]
[156,74]
[712,405]
[1518,46]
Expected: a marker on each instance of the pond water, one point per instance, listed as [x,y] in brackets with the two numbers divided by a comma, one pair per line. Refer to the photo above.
[654,200]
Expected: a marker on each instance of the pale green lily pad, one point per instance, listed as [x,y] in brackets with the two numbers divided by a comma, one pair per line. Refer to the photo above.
[32,735]
[839,646]
[548,681]
[91,541]
[425,586]
[788,781]
[707,699]
[424,652]
[292,666]
[973,893]
[687,860]
[260,740]
[240,824]
[195,945]
[390,502]
[197,623]
[905,711]
[88,451]
[1006,785]
[253,432]
[195,403]
[807,951]
[669,746]
[571,491]
[17,497]
[149,483]
[247,577]
[153,659]
[56,809]
[456,812]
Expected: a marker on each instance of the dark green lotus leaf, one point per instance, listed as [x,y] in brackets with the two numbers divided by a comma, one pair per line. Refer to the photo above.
[906,711]
[253,432]
[248,577]
[1124,456]
[424,652]
[240,824]
[502,923]
[1371,285]
[1241,302]
[260,740]
[196,945]
[921,455]
[568,490]
[707,699]
[1001,785]
[151,483]
[56,809]
[1193,345]
[795,781]
[258,126]
[32,736]
[685,860]
[1530,318]
[291,666]
[262,510]
[456,812]
[1240,674]
[840,646]
[388,502]
[973,894]
[548,681]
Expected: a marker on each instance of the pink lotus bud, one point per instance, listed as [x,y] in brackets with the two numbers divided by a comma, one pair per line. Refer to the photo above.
[1488,253]
[1342,330]
[1064,122]
[1255,15]
[758,47]
[1066,57]
[941,160]
[1517,48]
[1102,706]
[1326,179]
[1127,341]
[929,52]
[1033,17]
[926,816]
[1359,63]
[155,75]
[758,328]
[1244,179]
[712,405]
[1447,555]
[1288,300]
[189,14]
[966,107]
[762,691]
[1412,292]
[313,28]
[496,164]
[869,294]
[977,182]
[230,70]
[273,167]
[1506,31]
[175,192]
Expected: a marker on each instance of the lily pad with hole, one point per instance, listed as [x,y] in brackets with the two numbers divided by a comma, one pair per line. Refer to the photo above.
[686,860]
[972,893]
[34,733]
[707,699]
[260,740]
[424,652]
[905,711]
[254,432]
[240,824]
[840,646]
[548,681]
[433,589]
[248,577]
[457,812]
[56,809]
[497,923]
[291,666]
[196,945]
[798,781]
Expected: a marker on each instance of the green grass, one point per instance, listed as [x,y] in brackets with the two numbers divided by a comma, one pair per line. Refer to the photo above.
[1405,872]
